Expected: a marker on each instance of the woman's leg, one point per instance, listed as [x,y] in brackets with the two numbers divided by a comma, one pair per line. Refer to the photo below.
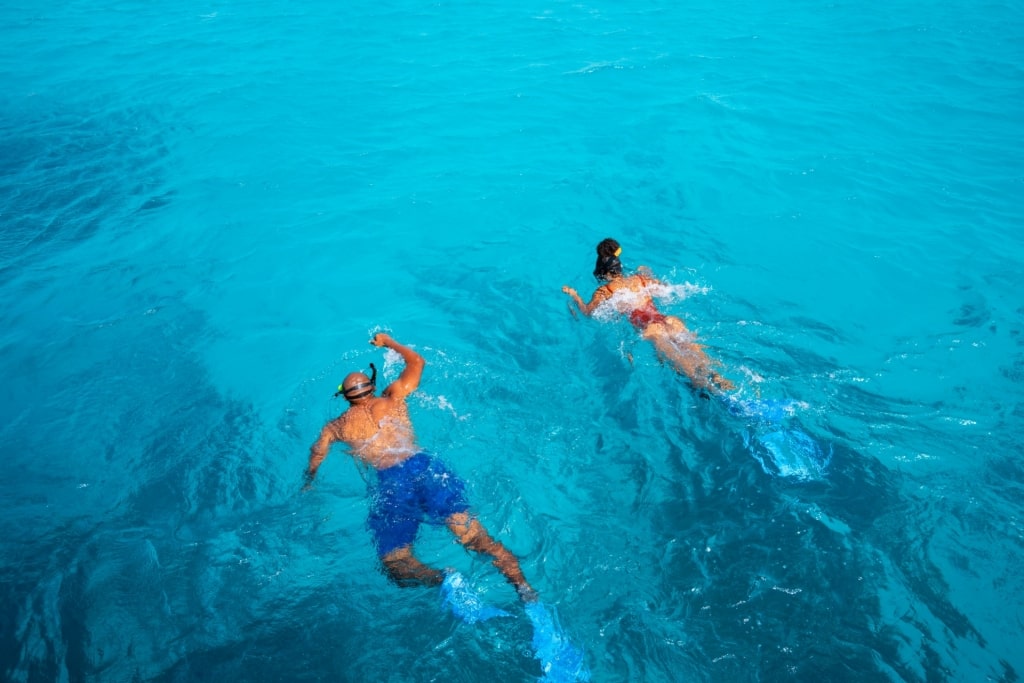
[675,344]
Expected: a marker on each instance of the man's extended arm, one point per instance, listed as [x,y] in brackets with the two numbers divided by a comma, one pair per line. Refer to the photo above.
[317,453]
[410,377]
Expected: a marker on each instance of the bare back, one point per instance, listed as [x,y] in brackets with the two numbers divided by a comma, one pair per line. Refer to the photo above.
[378,431]
[636,284]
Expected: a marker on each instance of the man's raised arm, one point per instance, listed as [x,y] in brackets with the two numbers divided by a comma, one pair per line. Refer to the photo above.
[410,377]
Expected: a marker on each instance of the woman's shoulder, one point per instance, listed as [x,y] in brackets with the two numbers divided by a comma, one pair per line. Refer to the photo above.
[637,281]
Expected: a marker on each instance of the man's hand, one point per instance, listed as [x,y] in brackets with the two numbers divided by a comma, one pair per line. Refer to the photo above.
[381,339]
[568,290]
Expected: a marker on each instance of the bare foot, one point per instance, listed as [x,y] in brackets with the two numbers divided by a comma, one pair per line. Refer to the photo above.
[526,593]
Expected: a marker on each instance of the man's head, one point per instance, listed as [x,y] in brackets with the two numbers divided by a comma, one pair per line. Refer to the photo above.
[357,386]
[608,264]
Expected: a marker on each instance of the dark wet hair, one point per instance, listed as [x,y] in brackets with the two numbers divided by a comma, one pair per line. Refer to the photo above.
[608,263]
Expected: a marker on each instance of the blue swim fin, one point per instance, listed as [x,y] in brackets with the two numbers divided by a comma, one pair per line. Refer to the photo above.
[789,453]
[770,411]
[560,660]
[463,601]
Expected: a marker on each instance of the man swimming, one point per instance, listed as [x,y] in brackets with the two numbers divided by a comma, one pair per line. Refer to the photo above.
[412,486]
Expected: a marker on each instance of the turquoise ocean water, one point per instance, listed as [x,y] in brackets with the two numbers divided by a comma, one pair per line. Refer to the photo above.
[207,209]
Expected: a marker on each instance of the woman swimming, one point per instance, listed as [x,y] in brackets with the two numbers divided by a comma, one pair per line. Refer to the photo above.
[630,295]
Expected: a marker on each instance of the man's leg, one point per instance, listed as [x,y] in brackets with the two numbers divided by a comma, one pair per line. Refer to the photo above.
[474,536]
[405,570]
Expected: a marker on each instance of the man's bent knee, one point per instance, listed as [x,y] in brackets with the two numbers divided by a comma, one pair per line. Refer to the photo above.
[404,570]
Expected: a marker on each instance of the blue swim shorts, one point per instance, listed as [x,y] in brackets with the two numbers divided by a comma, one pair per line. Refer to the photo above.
[419,489]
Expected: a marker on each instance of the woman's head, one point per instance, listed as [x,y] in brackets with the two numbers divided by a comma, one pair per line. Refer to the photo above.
[608,264]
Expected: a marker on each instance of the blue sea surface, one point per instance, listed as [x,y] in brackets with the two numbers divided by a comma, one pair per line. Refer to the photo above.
[207,209]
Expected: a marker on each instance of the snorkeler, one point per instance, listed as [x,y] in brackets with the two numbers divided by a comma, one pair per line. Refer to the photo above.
[412,486]
[630,296]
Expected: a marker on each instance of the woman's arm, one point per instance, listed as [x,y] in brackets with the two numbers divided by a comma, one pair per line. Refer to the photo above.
[587,308]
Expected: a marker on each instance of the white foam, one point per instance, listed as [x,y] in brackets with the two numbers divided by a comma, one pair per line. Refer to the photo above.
[624,301]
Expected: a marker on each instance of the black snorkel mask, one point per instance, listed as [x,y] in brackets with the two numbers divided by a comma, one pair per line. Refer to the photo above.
[361,390]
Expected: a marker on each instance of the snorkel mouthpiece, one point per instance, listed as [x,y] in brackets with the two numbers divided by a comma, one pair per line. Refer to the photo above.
[361,390]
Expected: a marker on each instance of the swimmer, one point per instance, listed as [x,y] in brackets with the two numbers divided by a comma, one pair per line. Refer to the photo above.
[629,295]
[412,486]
